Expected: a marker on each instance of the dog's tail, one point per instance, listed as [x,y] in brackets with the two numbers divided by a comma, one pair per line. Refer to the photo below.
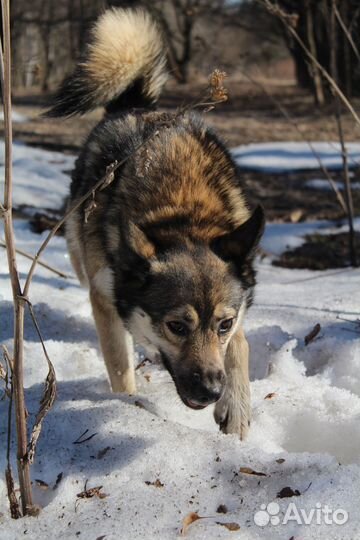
[124,66]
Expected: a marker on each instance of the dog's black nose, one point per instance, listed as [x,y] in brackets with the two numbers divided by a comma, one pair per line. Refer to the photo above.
[208,386]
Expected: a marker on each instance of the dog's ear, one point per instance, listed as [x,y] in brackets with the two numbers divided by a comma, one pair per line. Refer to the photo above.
[137,251]
[239,246]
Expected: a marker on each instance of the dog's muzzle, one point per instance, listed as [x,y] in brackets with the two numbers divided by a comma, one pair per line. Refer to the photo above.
[203,389]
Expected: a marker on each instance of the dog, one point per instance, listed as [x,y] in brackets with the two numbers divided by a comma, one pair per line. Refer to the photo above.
[167,252]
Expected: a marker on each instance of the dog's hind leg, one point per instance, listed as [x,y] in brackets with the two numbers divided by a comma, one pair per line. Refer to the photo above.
[233,410]
[116,344]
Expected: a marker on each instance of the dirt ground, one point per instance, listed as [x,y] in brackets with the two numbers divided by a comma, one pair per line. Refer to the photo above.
[248,116]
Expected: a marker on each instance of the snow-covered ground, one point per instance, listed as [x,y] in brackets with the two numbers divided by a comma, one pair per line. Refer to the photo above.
[284,157]
[321,183]
[157,460]
[44,171]
[16,116]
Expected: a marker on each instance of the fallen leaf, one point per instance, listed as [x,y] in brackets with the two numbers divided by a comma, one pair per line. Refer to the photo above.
[232,526]
[101,537]
[187,521]
[58,480]
[270,396]
[43,485]
[147,377]
[103,452]
[296,215]
[312,335]
[280,460]
[143,363]
[139,404]
[222,509]
[247,470]
[92,492]
[156,483]
[288,492]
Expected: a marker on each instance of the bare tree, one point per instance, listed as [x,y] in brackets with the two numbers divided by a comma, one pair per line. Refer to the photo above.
[311,21]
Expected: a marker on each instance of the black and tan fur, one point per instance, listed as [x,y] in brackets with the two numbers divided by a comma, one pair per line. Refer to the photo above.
[168,251]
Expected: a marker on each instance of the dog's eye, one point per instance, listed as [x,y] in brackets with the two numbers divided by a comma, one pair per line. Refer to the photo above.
[225,326]
[178,328]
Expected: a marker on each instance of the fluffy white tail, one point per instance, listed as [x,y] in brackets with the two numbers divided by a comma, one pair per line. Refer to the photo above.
[124,66]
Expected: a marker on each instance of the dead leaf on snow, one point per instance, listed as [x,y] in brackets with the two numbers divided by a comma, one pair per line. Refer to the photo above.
[222,509]
[139,404]
[231,526]
[187,521]
[248,470]
[43,485]
[103,452]
[288,492]
[270,395]
[280,460]
[156,483]
[92,492]
[312,335]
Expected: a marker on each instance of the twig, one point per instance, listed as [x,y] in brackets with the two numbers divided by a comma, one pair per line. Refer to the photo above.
[347,185]
[21,426]
[40,262]
[347,33]
[288,117]
[14,503]
[312,334]
[48,397]
[80,439]
[285,18]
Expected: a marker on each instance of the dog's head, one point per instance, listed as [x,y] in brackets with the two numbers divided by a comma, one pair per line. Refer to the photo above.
[188,301]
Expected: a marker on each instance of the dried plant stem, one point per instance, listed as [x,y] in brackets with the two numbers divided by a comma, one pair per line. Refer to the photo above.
[40,262]
[334,73]
[293,123]
[275,10]
[19,399]
[347,33]
[14,505]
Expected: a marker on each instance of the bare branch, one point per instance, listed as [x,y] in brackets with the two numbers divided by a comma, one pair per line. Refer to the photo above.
[48,398]
[290,22]
[40,262]
[291,121]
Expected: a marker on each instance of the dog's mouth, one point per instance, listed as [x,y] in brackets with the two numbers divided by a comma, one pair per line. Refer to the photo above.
[194,404]
[191,403]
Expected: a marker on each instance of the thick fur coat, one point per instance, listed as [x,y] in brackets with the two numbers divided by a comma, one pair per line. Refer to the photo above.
[167,252]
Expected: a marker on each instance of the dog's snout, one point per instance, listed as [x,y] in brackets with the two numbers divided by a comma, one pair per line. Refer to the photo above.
[208,385]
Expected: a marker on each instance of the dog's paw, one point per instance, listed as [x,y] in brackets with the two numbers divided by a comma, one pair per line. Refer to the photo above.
[232,416]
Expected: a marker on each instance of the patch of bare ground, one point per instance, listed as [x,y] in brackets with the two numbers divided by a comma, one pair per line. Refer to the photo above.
[319,252]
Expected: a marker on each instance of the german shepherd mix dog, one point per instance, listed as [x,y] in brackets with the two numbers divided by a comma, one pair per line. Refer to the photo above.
[168,251]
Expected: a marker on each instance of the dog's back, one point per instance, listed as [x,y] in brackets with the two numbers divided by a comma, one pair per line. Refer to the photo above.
[180,163]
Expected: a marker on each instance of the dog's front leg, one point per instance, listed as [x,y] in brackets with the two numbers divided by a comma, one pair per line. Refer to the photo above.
[116,344]
[233,410]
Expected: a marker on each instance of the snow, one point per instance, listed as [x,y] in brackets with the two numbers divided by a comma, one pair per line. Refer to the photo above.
[41,169]
[285,157]
[16,116]
[321,183]
[305,435]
